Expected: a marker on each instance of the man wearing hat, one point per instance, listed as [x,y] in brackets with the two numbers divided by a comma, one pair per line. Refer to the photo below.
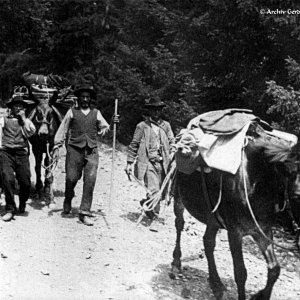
[150,148]
[14,156]
[81,125]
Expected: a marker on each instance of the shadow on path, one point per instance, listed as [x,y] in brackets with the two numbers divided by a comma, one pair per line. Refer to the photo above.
[134,217]
[192,283]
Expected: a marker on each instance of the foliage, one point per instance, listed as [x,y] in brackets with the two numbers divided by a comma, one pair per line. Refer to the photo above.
[195,55]
[286,101]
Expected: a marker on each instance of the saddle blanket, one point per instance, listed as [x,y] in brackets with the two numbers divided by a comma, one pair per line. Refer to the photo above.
[218,152]
[221,151]
[223,122]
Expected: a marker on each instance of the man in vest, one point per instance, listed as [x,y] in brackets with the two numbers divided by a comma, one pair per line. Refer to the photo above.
[81,125]
[150,148]
[14,156]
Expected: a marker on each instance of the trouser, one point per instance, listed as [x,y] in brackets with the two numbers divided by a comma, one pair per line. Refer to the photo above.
[78,161]
[1,185]
[153,179]
[14,164]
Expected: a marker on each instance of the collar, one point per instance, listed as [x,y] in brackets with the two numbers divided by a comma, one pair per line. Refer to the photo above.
[85,111]
[12,116]
[158,123]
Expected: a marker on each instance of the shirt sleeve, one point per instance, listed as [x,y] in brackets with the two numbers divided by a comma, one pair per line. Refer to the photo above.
[63,129]
[28,128]
[102,125]
[171,138]
[1,126]
[135,144]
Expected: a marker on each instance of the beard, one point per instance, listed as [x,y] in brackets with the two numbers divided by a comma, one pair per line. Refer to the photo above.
[84,104]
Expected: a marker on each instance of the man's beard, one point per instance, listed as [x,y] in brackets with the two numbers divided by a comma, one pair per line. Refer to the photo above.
[85,104]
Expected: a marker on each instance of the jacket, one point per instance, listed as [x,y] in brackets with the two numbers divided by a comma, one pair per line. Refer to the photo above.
[140,147]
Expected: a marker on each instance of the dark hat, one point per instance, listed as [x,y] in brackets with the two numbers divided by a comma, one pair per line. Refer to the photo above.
[154,102]
[85,88]
[16,99]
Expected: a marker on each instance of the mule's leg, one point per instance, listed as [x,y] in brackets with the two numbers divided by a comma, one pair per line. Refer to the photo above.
[38,155]
[209,241]
[273,267]
[240,273]
[179,224]
[48,188]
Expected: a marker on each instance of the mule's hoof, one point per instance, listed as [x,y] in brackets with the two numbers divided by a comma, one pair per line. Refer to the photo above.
[174,272]
[52,205]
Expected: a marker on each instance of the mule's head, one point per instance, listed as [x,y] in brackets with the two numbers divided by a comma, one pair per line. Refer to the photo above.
[293,169]
[283,157]
[43,119]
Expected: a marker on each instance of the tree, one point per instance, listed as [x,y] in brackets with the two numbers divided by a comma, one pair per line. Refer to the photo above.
[195,55]
[286,101]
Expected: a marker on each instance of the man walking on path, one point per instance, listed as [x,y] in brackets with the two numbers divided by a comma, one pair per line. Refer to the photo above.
[150,147]
[81,125]
[14,156]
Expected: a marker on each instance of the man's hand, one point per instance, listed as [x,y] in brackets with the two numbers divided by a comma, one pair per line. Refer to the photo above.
[21,116]
[55,153]
[103,132]
[115,119]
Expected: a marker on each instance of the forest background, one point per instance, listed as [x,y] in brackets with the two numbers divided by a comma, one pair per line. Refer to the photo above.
[195,55]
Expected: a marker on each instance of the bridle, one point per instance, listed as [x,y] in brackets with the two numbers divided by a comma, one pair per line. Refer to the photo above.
[43,121]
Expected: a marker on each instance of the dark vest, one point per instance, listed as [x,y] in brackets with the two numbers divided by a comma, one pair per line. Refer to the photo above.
[12,135]
[83,129]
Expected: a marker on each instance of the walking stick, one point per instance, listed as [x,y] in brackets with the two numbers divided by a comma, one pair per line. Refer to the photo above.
[113,160]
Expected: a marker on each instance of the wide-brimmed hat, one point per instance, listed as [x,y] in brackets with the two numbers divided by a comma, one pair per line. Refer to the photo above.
[16,99]
[154,103]
[85,88]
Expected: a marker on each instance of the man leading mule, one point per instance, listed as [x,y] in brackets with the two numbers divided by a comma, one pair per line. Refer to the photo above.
[14,156]
[82,125]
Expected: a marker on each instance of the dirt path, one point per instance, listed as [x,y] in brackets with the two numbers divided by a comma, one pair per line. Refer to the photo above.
[45,256]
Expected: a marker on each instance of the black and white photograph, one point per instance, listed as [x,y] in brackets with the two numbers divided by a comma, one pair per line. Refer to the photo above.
[149,149]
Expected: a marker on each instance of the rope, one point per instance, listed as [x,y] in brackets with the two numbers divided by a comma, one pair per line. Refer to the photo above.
[51,167]
[220,195]
[251,211]
[151,203]
[140,183]
[286,197]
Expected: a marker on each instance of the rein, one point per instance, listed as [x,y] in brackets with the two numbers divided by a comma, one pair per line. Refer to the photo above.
[220,195]
[53,164]
[44,121]
[251,211]
[151,203]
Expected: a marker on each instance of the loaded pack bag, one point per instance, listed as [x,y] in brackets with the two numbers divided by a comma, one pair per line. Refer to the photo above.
[52,87]
[216,139]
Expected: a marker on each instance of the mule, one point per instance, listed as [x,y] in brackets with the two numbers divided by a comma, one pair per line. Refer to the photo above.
[46,119]
[266,161]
